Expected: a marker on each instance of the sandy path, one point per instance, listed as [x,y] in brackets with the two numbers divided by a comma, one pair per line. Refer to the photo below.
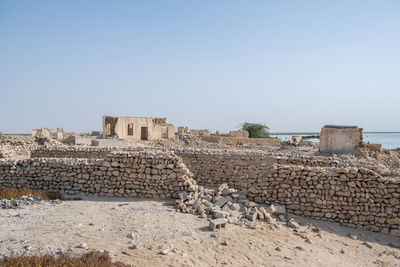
[154,226]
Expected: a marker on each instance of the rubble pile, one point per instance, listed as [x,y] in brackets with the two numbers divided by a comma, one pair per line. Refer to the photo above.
[16,146]
[388,160]
[42,140]
[24,201]
[302,143]
[227,205]
[21,146]
[15,203]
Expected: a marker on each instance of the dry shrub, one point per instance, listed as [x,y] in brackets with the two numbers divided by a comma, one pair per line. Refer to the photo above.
[11,193]
[15,193]
[90,259]
[74,198]
[48,195]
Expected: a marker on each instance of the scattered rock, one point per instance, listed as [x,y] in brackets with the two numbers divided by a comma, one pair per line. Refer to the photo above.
[131,235]
[353,236]
[82,245]
[292,224]
[367,244]
[165,252]
[221,202]
[276,209]
[21,202]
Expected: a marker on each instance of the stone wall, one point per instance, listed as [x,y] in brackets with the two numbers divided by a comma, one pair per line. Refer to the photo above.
[71,152]
[352,192]
[236,168]
[240,168]
[233,141]
[123,174]
[351,196]
[239,134]
[90,152]
[81,140]
[204,132]
[314,187]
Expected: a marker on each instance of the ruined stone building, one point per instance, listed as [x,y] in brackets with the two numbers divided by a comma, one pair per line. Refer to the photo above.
[340,139]
[52,133]
[137,128]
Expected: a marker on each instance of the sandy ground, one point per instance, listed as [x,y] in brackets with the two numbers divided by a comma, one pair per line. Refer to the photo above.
[140,231]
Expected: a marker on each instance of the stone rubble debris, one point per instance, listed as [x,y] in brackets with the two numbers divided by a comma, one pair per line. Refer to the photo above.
[21,146]
[15,203]
[223,205]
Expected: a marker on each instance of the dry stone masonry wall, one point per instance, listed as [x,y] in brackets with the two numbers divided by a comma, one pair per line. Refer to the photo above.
[122,174]
[352,195]
[215,167]
[71,152]
[90,152]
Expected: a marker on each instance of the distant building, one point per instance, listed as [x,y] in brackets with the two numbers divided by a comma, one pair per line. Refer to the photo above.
[340,139]
[137,128]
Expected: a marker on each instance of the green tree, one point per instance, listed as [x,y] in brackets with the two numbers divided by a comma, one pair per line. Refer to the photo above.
[256,130]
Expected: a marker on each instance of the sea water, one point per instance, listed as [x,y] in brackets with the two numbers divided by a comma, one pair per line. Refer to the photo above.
[388,140]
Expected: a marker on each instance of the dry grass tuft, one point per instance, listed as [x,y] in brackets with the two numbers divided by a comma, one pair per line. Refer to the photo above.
[11,193]
[48,195]
[90,259]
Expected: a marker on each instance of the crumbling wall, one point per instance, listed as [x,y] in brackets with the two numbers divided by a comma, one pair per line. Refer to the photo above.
[353,193]
[315,187]
[239,134]
[16,146]
[161,121]
[233,141]
[355,197]
[205,132]
[170,131]
[181,130]
[109,126]
[340,139]
[131,174]
[214,167]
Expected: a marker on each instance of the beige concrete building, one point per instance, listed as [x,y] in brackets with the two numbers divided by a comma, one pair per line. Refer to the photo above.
[137,128]
[340,139]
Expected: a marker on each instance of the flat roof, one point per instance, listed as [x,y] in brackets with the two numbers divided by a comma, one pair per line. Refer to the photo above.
[339,126]
[130,117]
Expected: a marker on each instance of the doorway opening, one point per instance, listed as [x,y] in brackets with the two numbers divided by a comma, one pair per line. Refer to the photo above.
[130,128]
[144,133]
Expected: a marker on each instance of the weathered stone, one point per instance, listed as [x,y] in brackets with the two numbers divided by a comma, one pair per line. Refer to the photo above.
[292,224]
[276,209]
[221,202]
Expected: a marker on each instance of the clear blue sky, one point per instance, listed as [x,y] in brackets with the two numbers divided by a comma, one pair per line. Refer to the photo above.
[294,65]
